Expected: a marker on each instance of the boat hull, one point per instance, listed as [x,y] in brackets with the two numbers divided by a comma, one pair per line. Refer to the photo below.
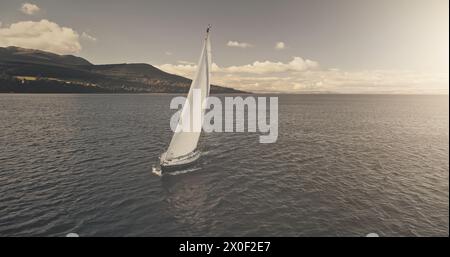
[180,164]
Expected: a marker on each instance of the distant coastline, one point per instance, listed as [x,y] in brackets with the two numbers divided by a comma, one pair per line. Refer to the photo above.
[9,84]
[34,71]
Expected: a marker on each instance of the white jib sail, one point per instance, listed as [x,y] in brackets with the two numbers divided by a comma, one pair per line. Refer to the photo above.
[187,134]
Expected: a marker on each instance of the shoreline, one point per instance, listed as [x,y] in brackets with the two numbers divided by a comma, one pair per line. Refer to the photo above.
[237,93]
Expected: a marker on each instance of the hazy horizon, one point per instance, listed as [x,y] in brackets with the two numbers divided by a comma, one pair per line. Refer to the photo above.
[348,46]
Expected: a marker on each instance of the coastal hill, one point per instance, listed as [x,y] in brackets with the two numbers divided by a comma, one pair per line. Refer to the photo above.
[34,71]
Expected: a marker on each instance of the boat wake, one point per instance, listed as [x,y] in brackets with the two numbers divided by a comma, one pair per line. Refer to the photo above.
[179,172]
[157,171]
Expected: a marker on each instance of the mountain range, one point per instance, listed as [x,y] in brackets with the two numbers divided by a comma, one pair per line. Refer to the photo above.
[35,71]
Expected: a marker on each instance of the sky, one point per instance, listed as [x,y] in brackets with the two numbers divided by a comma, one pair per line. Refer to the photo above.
[299,46]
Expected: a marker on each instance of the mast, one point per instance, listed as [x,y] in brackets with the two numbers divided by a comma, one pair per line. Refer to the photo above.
[208,53]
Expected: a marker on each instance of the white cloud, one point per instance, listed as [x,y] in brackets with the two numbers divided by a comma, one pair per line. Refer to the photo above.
[323,81]
[29,9]
[305,76]
[238,44]
[186,69]
[179,69]
[297,64]
[88,37]
[43,35]
[185,62]
[257,67]
[280,46]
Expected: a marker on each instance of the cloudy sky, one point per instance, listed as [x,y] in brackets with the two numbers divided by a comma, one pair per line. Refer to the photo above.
[299,46]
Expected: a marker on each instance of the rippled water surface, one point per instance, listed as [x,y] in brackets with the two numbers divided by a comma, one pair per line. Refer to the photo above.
[343,165]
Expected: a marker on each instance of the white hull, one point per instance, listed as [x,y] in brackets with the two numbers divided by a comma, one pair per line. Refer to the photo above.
[179,163]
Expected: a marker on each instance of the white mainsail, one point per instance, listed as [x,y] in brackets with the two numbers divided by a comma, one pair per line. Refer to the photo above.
[185,142]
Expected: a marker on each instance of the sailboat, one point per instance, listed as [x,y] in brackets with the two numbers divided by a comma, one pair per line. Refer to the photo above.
[182,150]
